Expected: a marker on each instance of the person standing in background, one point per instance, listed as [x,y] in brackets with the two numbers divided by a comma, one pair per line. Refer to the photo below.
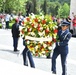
[20,18]
[15,34]
[68,19]
[7,19]
[3,23]
[74,25]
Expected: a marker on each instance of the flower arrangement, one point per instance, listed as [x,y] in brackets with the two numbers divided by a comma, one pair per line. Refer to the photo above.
[40,33]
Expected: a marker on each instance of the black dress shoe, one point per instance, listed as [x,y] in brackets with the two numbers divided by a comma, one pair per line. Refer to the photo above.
[25,64]
[53,72]
[48,57]
[16,50]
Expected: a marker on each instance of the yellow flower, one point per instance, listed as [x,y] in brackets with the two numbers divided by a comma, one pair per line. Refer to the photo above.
[39,27]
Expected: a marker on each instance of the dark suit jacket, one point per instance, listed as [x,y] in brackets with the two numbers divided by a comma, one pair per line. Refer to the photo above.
[62,46]
[15,30]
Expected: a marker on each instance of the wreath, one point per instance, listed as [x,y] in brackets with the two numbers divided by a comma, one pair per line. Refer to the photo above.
[40,33]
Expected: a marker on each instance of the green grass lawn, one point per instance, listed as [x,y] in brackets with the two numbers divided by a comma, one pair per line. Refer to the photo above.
[10,25]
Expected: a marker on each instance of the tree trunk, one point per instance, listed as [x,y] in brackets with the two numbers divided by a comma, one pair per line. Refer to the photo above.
[44,7]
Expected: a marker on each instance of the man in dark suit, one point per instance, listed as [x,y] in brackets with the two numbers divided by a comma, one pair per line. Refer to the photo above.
[61,47]
[15,34]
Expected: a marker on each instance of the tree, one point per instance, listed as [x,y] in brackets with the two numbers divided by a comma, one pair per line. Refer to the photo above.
[44,7]
[63,11]
[53,7]
[31,7]
[11,5]
[61,1]
[28,8]
[34,6]
[66,10]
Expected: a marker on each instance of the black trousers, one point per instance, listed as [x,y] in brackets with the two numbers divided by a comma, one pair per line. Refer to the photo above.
[27,53]
[63,62]
[7,25]
[15,43]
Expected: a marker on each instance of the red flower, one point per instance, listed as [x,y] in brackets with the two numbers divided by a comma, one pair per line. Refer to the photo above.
[29,29]
[28,19]
[36,20]
[49,43]
[22,22]
[36,54]
[36,51]
[38,25]
[54,40]
[43,22]
[32,25]
[22,31]
[31,46]
[55,31]
[47,30]
[38,29]
[42,47]
[47,51]
[26,40]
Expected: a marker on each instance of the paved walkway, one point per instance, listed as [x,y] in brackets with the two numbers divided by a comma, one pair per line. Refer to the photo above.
[10,68]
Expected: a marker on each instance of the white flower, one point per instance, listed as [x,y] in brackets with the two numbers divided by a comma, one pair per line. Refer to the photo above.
[25,20]
[35,42]
[55,35]
[39,20]
[36,47]
[32,33]
[25,29]
[54,28]
[43,33]
[42,17]
[33,16]
[44,45]
[20,28]
[35,25]
[43,52]
[28,42]
[41,41]
[50,48]
[40,33]
[41,28]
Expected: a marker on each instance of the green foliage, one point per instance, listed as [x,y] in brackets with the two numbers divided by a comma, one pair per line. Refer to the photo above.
[10,24]
[0,25]
[54,7]
[10,5]
[66,9]
[61,1]
[63,11]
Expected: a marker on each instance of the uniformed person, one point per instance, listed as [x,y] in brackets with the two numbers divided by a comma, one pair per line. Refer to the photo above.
[27,54]
[61,47]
